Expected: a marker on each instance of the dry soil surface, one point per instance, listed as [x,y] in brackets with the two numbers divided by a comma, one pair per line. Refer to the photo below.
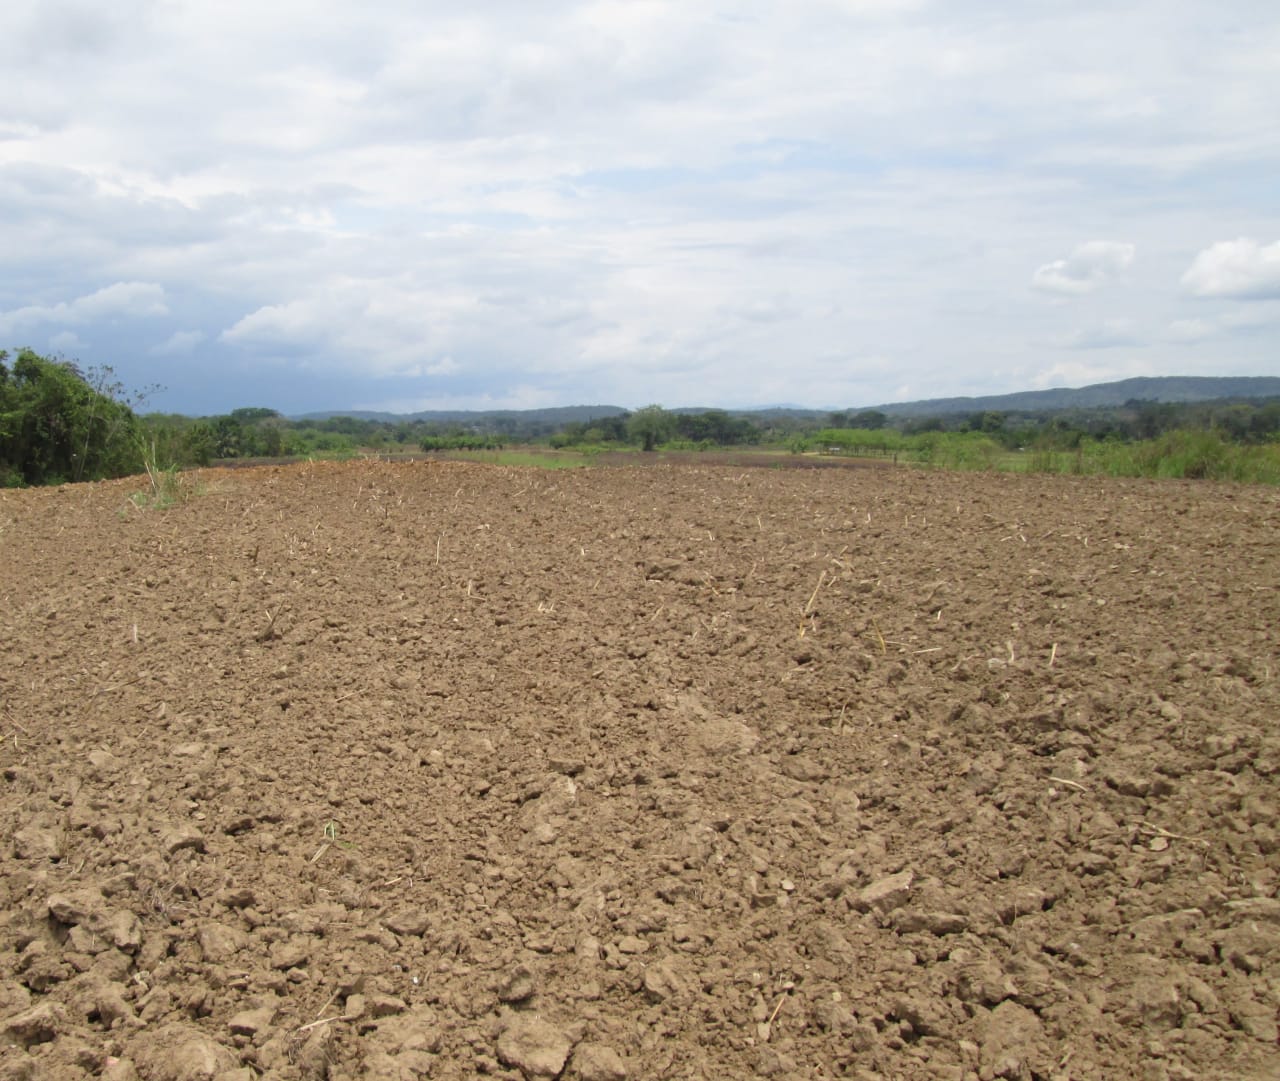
[440,770]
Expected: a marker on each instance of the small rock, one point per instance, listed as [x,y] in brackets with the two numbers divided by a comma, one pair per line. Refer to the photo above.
[926,1015]
[125,930]
[251,1022]
[885,894]
[181,1052]
[517,985]
[631,944]
[1203,995]
[770,1062]
[800,768]
[119,1069]
[1010,1035]
[662,982]
[598,1062]
[236,897]
[909,921]
[74,907]
[1258,1021]
[181,835]
[1255,908]
[37,843]
[39,1024]
[111,1005]
[533,1046]
[291,954]
[381,1005]
[103,760]
[410,922]
[220,943]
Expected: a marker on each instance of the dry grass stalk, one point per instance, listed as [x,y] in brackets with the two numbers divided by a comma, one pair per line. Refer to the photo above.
[814,595]
[317,1024]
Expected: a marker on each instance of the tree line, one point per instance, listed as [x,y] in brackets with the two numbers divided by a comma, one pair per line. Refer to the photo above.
[60,423]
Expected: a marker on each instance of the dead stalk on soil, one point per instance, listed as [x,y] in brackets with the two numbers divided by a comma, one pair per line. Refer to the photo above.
[814,595]
[270,631]
[317,1024]
[1152,830]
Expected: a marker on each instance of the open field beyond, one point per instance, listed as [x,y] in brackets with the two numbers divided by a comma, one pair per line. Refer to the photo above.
[362,770]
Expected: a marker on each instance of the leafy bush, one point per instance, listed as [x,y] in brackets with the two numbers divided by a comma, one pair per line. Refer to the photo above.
[58,425]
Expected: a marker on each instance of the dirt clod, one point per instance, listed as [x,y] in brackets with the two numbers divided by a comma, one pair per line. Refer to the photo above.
[534,1047]
[665,771]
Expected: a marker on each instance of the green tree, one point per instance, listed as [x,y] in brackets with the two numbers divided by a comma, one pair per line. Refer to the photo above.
[870,419]
[58,425]
[650,426]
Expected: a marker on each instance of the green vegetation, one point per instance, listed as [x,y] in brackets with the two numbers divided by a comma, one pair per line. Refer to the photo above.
[650,426]
[538,459]
[167,485]
[58,424]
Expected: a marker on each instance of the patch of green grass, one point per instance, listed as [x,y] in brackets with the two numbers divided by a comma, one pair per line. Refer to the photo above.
[1187,455]
[336,454]
[168,485]
[537,459]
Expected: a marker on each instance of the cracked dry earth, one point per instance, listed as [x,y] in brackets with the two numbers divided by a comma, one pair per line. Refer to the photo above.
[443,770]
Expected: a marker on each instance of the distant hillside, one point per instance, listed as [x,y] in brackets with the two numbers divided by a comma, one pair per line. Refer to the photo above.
[1173,388]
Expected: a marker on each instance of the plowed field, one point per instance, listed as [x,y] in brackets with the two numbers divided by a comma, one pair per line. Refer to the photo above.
[443,770]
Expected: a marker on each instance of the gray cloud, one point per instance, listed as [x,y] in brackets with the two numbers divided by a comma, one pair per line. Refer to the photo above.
[123,299]
[828,201]
[1089,266]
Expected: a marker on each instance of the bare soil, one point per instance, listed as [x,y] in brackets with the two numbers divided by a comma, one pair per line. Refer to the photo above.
[442,770]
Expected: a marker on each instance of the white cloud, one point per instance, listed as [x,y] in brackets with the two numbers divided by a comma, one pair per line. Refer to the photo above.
[615,201]
[1188,331]
[1260,315]
[1110,334]
[1085,269]
[179,343]
[1239,269]
[131,299]
[1084,373]
[444,366]
[65,341]
[297,323]
[518,397]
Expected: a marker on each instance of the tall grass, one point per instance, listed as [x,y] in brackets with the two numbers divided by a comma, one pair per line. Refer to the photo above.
[958,450]
[1190,455]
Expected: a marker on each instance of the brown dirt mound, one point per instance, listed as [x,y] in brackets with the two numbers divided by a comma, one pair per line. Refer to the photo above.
[438,770]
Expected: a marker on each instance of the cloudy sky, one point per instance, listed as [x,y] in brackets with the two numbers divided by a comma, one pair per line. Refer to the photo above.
[519,203]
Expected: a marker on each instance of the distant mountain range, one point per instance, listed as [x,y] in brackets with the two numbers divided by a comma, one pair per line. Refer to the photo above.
[1171,388]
